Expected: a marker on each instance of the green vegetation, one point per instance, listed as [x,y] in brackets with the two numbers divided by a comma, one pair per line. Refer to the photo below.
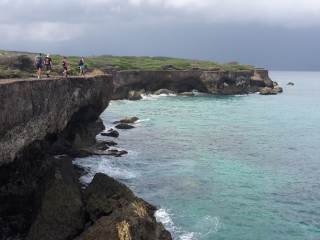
[21,64]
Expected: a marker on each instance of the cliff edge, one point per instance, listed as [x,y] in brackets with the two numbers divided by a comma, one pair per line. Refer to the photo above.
[35,111]
[212,81]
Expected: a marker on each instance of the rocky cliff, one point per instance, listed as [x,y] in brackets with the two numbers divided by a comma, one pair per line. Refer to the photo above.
[40,192]
[213,81]
[33,112]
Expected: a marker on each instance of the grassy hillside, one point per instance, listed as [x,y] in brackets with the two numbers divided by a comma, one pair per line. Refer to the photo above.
[21,64]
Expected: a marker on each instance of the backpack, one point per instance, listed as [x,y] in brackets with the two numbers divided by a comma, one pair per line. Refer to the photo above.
[80,62]
[38,59]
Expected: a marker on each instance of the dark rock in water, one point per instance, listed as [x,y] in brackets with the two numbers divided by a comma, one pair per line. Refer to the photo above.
[111,143]
[129,120]
[124,126]
[279,89]
[102,146]
[118,214]
[290,83]
[111,133]
[60,214]
[116,153]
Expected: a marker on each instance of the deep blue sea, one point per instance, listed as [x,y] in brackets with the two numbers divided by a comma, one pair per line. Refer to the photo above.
[242,167]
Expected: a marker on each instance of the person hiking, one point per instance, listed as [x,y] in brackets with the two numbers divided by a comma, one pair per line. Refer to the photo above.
[38,63]
[65,66]
[81,64]
[48,63]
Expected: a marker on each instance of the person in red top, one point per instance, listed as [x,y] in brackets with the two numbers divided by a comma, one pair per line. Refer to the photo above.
[65,66]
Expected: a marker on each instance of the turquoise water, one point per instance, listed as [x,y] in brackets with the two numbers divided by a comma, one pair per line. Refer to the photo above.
[231,167]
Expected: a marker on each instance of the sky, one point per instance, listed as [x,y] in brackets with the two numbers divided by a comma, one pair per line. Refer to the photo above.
[274,34]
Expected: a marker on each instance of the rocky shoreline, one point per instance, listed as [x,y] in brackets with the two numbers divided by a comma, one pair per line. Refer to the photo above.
[132,84]
[44,124]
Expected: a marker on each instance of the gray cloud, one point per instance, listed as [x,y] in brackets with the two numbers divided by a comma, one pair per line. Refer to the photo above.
[249,31]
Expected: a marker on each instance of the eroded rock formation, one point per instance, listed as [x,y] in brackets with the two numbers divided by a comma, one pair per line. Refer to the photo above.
[212,81]
[35,112]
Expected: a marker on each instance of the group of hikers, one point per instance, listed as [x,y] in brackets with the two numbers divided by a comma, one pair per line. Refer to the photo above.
[47,62]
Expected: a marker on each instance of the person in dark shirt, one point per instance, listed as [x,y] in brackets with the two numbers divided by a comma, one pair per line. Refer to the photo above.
[48,63]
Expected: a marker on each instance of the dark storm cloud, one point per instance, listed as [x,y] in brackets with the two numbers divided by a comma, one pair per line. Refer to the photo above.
[267,33]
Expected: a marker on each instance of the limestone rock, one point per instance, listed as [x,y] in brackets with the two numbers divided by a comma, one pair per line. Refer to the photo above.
[133,95]
[290,83]
[61,214]
[188,94]
[120,92]
[163,91]
[117,214]
[129,120]
[34,113]
[268,91]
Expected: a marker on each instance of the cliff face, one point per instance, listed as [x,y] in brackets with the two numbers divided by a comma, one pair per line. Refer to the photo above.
[38,110]
[209,81]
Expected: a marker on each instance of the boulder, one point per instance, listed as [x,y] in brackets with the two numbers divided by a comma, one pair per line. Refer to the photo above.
[102,145]
[188,94]
[111,133]
[124,126]
[268,91]
[163,91]
[129,120]
[142,91]
[111,143]
[116,153]
[133,95]
[61,214]
[117,214]
[290,83]
[120,92]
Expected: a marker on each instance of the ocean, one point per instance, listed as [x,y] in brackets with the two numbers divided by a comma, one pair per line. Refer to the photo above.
[224,167]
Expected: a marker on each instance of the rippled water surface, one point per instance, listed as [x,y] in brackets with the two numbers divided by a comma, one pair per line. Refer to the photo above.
[231,167]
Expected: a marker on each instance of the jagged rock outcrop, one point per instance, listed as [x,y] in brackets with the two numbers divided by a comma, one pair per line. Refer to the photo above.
[60,214]
[34,112]
[213,81]
[117,214]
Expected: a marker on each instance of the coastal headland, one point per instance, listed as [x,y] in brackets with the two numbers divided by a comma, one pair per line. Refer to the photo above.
[212,81]
[45,123]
